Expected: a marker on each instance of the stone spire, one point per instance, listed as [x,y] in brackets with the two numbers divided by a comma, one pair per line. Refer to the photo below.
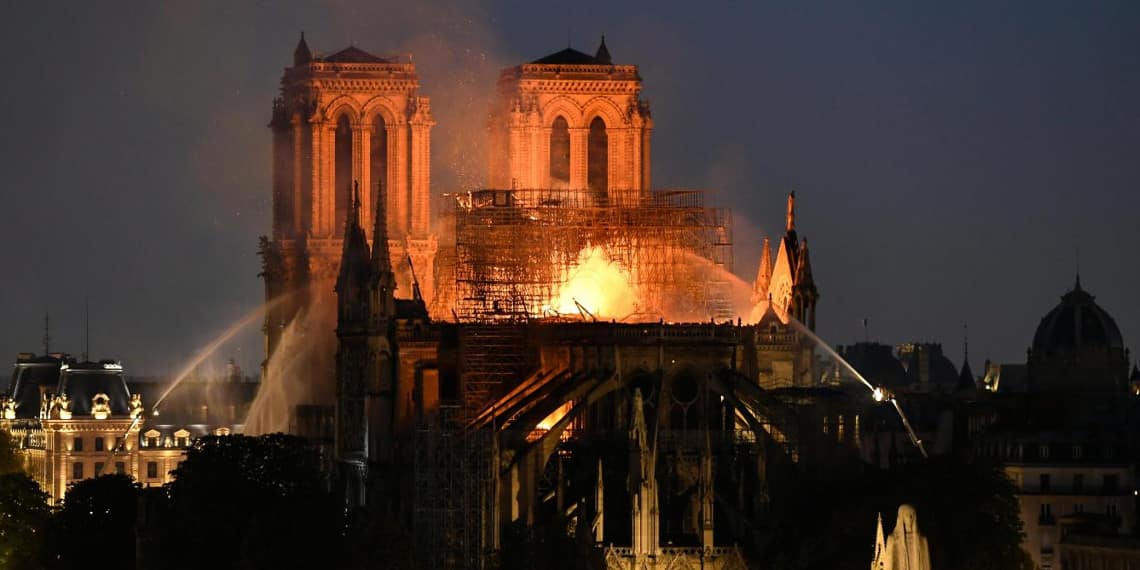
[603,55]
[642,484]
[354,276]
[381,260]
[790,217]
[707,491]
[599,506]
[880,545]
[805,294]
[763,275]
[302,55]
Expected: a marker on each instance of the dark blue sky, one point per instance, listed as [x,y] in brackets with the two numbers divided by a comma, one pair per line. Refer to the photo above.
[949,158]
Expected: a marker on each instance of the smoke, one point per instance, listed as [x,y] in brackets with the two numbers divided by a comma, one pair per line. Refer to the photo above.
[300,371]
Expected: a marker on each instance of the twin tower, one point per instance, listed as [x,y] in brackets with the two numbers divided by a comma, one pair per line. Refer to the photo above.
[569,120]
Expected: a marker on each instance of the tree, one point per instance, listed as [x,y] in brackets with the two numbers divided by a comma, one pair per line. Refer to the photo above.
[9,455]
[249,502]
[96,525]
[24,515]
[968,512]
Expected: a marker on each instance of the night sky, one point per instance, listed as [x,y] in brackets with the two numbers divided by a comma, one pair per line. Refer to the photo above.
[950,159]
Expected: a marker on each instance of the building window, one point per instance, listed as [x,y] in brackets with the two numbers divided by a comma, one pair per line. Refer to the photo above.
[1111,482]
[1044,483]
[1078,483]
[152,441]
[77,470]
[120,468]
[559,153]
[118,443]
[98,444]
[1043,451]
[1078,451]
[1110,510]
[1078,508]
[77,444]
[152,470]
[1046,517]
[98,468]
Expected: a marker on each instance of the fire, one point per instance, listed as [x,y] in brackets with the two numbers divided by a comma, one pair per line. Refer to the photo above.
[602,286]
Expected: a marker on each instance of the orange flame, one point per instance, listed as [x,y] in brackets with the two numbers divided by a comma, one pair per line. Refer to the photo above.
[602,286]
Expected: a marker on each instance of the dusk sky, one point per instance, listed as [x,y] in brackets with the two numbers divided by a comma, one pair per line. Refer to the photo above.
[950,159]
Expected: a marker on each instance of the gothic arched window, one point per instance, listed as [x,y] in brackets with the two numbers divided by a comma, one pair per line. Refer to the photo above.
[342,177]
[598,159]
[559,153]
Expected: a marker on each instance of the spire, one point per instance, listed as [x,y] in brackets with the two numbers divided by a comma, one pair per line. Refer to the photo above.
[383,277]
[642,484]
[966,379]
[763,274]
[603,55]
[790,218]
[880,545]
[354,252]
[599,505]
[380,260]
[302,55]
[707,491]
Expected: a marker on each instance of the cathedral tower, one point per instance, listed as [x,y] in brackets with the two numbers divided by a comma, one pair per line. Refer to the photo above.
[574,121]
[349,116]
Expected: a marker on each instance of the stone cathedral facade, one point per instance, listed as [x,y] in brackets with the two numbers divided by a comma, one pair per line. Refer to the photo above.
[344,118]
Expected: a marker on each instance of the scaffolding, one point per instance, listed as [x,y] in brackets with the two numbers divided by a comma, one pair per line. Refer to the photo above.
[453,520]
[515,248]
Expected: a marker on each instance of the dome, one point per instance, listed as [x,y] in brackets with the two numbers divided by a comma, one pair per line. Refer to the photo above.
[1077,323]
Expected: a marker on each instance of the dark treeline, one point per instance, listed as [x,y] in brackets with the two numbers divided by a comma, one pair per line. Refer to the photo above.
[240,502]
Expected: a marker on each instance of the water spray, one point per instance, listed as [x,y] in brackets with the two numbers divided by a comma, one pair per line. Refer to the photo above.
[878,393]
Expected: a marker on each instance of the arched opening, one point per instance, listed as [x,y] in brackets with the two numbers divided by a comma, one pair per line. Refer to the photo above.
[342,176]
[598,159]
[560,153]
[378,161]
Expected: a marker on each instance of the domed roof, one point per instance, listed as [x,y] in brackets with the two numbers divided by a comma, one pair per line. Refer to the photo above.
[1078,322]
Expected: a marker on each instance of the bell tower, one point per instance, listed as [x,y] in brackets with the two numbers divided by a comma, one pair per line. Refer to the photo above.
[342,118]
[572,121]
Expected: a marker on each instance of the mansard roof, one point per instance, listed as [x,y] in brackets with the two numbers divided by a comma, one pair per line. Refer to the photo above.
[353,54]
[82,381]
[32,376]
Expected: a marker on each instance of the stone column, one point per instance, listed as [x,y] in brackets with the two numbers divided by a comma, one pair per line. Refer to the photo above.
[397,205]
[364,177]
[317,147]
[579,138]
[298,176]
[421,125]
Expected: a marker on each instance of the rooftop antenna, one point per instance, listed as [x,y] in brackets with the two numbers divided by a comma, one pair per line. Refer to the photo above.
[1078,261]
[965,343]
[86,330]
[47,333]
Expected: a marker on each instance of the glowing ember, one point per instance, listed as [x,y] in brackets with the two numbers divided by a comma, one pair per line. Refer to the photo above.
[602,286]
[554,417]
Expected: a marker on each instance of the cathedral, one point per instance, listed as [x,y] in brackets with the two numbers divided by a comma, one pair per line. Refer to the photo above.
[468,400]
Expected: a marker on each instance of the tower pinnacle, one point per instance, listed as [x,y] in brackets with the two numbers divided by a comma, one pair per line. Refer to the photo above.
[790,218]
[302,55]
